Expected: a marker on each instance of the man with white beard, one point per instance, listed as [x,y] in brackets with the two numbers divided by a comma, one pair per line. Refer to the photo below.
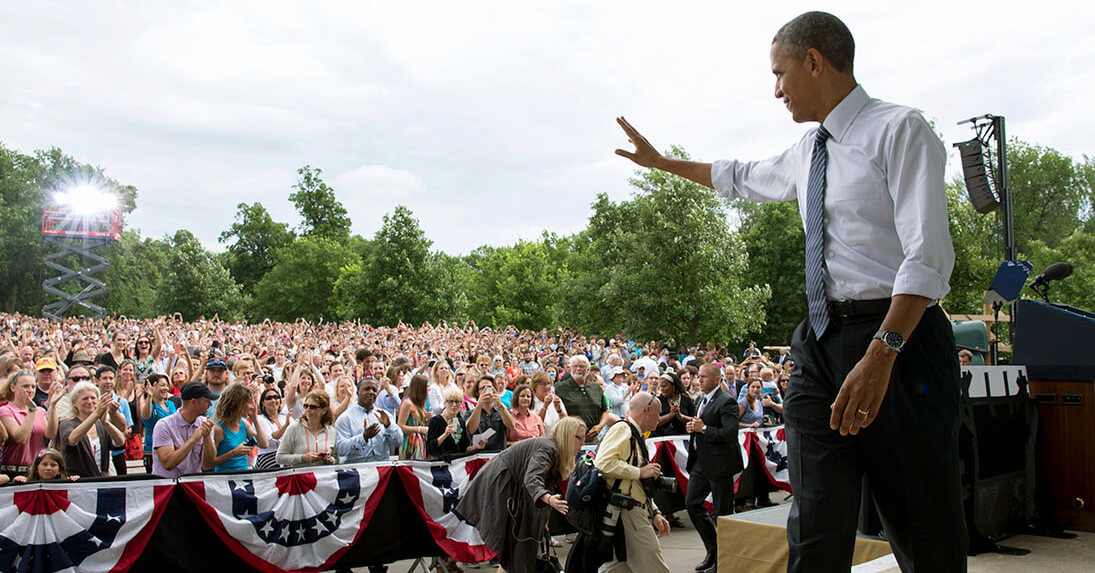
[581,398]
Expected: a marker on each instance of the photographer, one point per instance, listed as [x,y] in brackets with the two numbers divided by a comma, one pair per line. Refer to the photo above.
[627,470]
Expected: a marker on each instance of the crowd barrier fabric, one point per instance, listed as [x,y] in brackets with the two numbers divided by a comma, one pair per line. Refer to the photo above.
[302,519]
[90,526]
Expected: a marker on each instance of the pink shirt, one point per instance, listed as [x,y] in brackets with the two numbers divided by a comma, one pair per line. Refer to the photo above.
[525,426]
[16,454]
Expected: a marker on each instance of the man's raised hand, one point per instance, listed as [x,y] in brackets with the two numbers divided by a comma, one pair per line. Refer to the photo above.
[645,154]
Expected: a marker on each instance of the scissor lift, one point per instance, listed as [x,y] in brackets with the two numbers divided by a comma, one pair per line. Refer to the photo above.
[77,234]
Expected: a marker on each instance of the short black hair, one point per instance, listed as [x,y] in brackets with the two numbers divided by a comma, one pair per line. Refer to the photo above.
[104,368]
[823,32]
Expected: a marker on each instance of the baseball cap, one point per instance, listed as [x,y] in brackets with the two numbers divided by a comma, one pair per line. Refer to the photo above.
[216,362]
[194,390]
[45,363]
[616,370]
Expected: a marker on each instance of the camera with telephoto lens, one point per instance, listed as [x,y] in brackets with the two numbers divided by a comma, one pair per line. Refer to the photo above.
[662,483]
[610,520]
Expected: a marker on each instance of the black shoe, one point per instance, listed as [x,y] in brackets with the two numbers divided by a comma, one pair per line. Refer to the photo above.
[707,563]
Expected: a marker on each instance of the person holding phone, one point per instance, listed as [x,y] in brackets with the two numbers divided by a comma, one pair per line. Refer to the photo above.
[233,434]
[311,439]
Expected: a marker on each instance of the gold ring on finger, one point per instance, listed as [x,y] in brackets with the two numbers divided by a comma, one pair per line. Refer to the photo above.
[864,412]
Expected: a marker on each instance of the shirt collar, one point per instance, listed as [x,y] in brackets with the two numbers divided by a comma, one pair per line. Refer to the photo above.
[711,395]
[840,119]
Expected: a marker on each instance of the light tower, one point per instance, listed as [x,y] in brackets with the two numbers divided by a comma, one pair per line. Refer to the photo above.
[81,219]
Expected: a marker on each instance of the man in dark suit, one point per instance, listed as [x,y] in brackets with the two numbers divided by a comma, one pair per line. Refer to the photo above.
[713,459]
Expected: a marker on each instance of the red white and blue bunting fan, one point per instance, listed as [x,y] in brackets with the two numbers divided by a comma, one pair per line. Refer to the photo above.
[293,520]
[78,526]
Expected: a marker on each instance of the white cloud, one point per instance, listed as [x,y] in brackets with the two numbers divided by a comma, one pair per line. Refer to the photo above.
[490,120]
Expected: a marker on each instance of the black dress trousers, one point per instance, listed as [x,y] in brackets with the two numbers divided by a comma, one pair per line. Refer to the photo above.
[909,453]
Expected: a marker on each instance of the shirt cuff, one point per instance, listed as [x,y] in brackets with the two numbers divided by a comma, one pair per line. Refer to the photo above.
[916,278]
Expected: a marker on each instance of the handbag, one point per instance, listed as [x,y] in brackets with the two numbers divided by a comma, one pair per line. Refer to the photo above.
[547,561]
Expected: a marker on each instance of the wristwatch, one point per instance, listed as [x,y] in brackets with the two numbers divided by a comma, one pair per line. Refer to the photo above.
[893,340]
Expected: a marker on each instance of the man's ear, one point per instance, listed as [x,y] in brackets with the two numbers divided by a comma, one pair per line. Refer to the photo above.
[814,61]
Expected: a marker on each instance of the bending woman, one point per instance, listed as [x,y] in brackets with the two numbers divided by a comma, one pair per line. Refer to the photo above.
[525,477]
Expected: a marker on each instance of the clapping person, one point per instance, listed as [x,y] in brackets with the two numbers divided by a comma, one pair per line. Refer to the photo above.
[526,424]
[365,433]
[310,440]
[182,441]
[234,434]
[344,393]
[677,406]
[545,403]
[85,433]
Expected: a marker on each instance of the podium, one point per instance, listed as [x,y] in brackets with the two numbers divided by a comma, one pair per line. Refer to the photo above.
[1056,343]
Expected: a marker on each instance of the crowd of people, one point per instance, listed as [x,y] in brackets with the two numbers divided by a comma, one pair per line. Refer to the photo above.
[185,397]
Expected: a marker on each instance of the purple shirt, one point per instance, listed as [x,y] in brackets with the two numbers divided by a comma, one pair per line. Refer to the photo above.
[174,430]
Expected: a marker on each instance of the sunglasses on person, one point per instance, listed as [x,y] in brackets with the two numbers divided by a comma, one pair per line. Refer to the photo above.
[313,407]
[274,397]
[80,378]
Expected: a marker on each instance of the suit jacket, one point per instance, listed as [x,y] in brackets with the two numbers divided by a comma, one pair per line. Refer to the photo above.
[717,450]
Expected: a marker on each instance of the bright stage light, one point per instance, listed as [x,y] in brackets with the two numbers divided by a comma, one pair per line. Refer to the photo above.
[86,199]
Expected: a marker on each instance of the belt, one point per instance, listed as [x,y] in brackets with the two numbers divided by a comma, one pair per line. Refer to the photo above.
[849,308]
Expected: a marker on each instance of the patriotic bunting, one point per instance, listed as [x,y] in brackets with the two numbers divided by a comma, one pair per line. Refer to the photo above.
[436,489]
[292,520]
[78,526]
[301,519]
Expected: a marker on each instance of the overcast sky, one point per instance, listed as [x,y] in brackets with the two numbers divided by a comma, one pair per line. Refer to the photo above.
[492,121]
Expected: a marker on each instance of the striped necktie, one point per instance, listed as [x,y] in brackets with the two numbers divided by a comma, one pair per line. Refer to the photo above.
[815,235]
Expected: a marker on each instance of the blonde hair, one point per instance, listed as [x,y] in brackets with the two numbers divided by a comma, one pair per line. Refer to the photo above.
[564,434]
[452,392]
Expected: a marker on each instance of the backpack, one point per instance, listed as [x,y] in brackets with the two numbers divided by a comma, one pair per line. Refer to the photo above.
[587,495]
[588,491]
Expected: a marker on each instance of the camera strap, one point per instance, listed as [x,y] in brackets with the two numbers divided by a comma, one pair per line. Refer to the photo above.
[638,456]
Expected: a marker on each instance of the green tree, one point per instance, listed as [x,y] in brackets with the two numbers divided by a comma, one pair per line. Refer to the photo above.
[302,282]
[776,244]
[1078,289]
[197,284]
[139,268]
[399,281]
[255,239]
[1051,193]
[665,266]
[517,284]
[324,216]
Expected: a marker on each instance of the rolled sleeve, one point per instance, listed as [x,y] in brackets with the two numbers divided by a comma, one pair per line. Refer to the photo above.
[915,181]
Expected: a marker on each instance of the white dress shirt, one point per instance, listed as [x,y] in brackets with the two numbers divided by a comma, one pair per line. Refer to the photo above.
[886,227]
[350,439]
